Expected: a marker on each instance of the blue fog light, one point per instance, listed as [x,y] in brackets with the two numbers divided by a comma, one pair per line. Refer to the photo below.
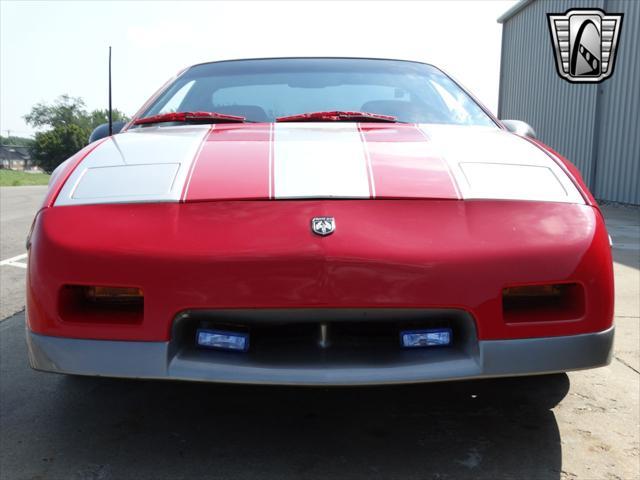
[223,340]
[435,337]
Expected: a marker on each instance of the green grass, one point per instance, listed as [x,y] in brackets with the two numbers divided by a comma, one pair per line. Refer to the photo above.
[12,178]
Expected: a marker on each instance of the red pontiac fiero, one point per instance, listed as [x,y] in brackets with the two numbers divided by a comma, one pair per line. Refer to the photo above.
[318,221]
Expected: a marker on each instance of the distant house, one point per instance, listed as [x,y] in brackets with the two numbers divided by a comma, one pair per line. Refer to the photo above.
[15,157]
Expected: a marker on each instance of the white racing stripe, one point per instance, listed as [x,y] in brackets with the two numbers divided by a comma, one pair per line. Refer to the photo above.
[370,178]
[489,163]
[271,134]
[319,161]
[141,165]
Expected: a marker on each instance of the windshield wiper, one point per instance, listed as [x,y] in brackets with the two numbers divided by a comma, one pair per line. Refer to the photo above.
[338,116]
[190,117]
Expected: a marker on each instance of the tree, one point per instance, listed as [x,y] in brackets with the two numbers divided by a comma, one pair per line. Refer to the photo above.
[98,117]
[65,110]
[16,141]
[68,126]
[54,146]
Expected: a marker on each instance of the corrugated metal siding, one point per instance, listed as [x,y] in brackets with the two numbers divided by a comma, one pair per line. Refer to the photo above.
[564,114]
[618,152]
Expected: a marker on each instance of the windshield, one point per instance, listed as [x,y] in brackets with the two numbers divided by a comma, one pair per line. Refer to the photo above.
[263,90]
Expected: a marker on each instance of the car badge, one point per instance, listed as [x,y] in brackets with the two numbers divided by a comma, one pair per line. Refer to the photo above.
[585,42]
[323,225]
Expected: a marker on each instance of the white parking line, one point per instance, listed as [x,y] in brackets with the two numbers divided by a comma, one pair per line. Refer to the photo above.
[15,261]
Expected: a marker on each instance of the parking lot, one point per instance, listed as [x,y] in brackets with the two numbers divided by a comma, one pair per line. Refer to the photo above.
[581,425]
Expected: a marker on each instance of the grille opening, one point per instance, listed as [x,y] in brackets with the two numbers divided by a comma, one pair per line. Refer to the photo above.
[346,335]
[543,303]
[79,303]
[353,336]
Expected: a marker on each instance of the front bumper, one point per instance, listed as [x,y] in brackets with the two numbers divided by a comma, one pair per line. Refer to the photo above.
[262,255]
[161,360]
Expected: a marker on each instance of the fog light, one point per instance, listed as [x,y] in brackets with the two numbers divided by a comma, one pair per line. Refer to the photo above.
[436,337]
[223,340]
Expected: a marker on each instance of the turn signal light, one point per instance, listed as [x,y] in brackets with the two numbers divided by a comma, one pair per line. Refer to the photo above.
[113,294]
[533,291]
[101,305]
[543,303]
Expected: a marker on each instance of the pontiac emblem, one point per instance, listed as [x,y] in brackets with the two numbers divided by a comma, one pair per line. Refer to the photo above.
[585,44]
[323,225]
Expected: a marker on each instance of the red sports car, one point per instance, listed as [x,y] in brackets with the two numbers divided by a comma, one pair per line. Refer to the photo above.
[318,221]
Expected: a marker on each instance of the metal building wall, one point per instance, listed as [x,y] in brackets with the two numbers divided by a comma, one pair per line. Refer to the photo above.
[605,145]
[618,146]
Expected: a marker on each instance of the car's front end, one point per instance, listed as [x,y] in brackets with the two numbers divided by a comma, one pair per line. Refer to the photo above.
[444,251]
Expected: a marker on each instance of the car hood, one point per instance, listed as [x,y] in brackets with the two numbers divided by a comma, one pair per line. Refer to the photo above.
[316,160]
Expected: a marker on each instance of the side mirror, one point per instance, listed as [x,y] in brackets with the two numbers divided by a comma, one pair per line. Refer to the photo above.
[102,131]
[520,128]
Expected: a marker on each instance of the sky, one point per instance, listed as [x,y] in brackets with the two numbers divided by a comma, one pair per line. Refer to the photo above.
[52,48]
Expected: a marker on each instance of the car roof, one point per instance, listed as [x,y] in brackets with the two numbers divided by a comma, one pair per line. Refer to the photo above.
[313,58]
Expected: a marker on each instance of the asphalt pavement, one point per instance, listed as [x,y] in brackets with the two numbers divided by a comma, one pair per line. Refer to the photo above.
[18,206]
[584,425]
